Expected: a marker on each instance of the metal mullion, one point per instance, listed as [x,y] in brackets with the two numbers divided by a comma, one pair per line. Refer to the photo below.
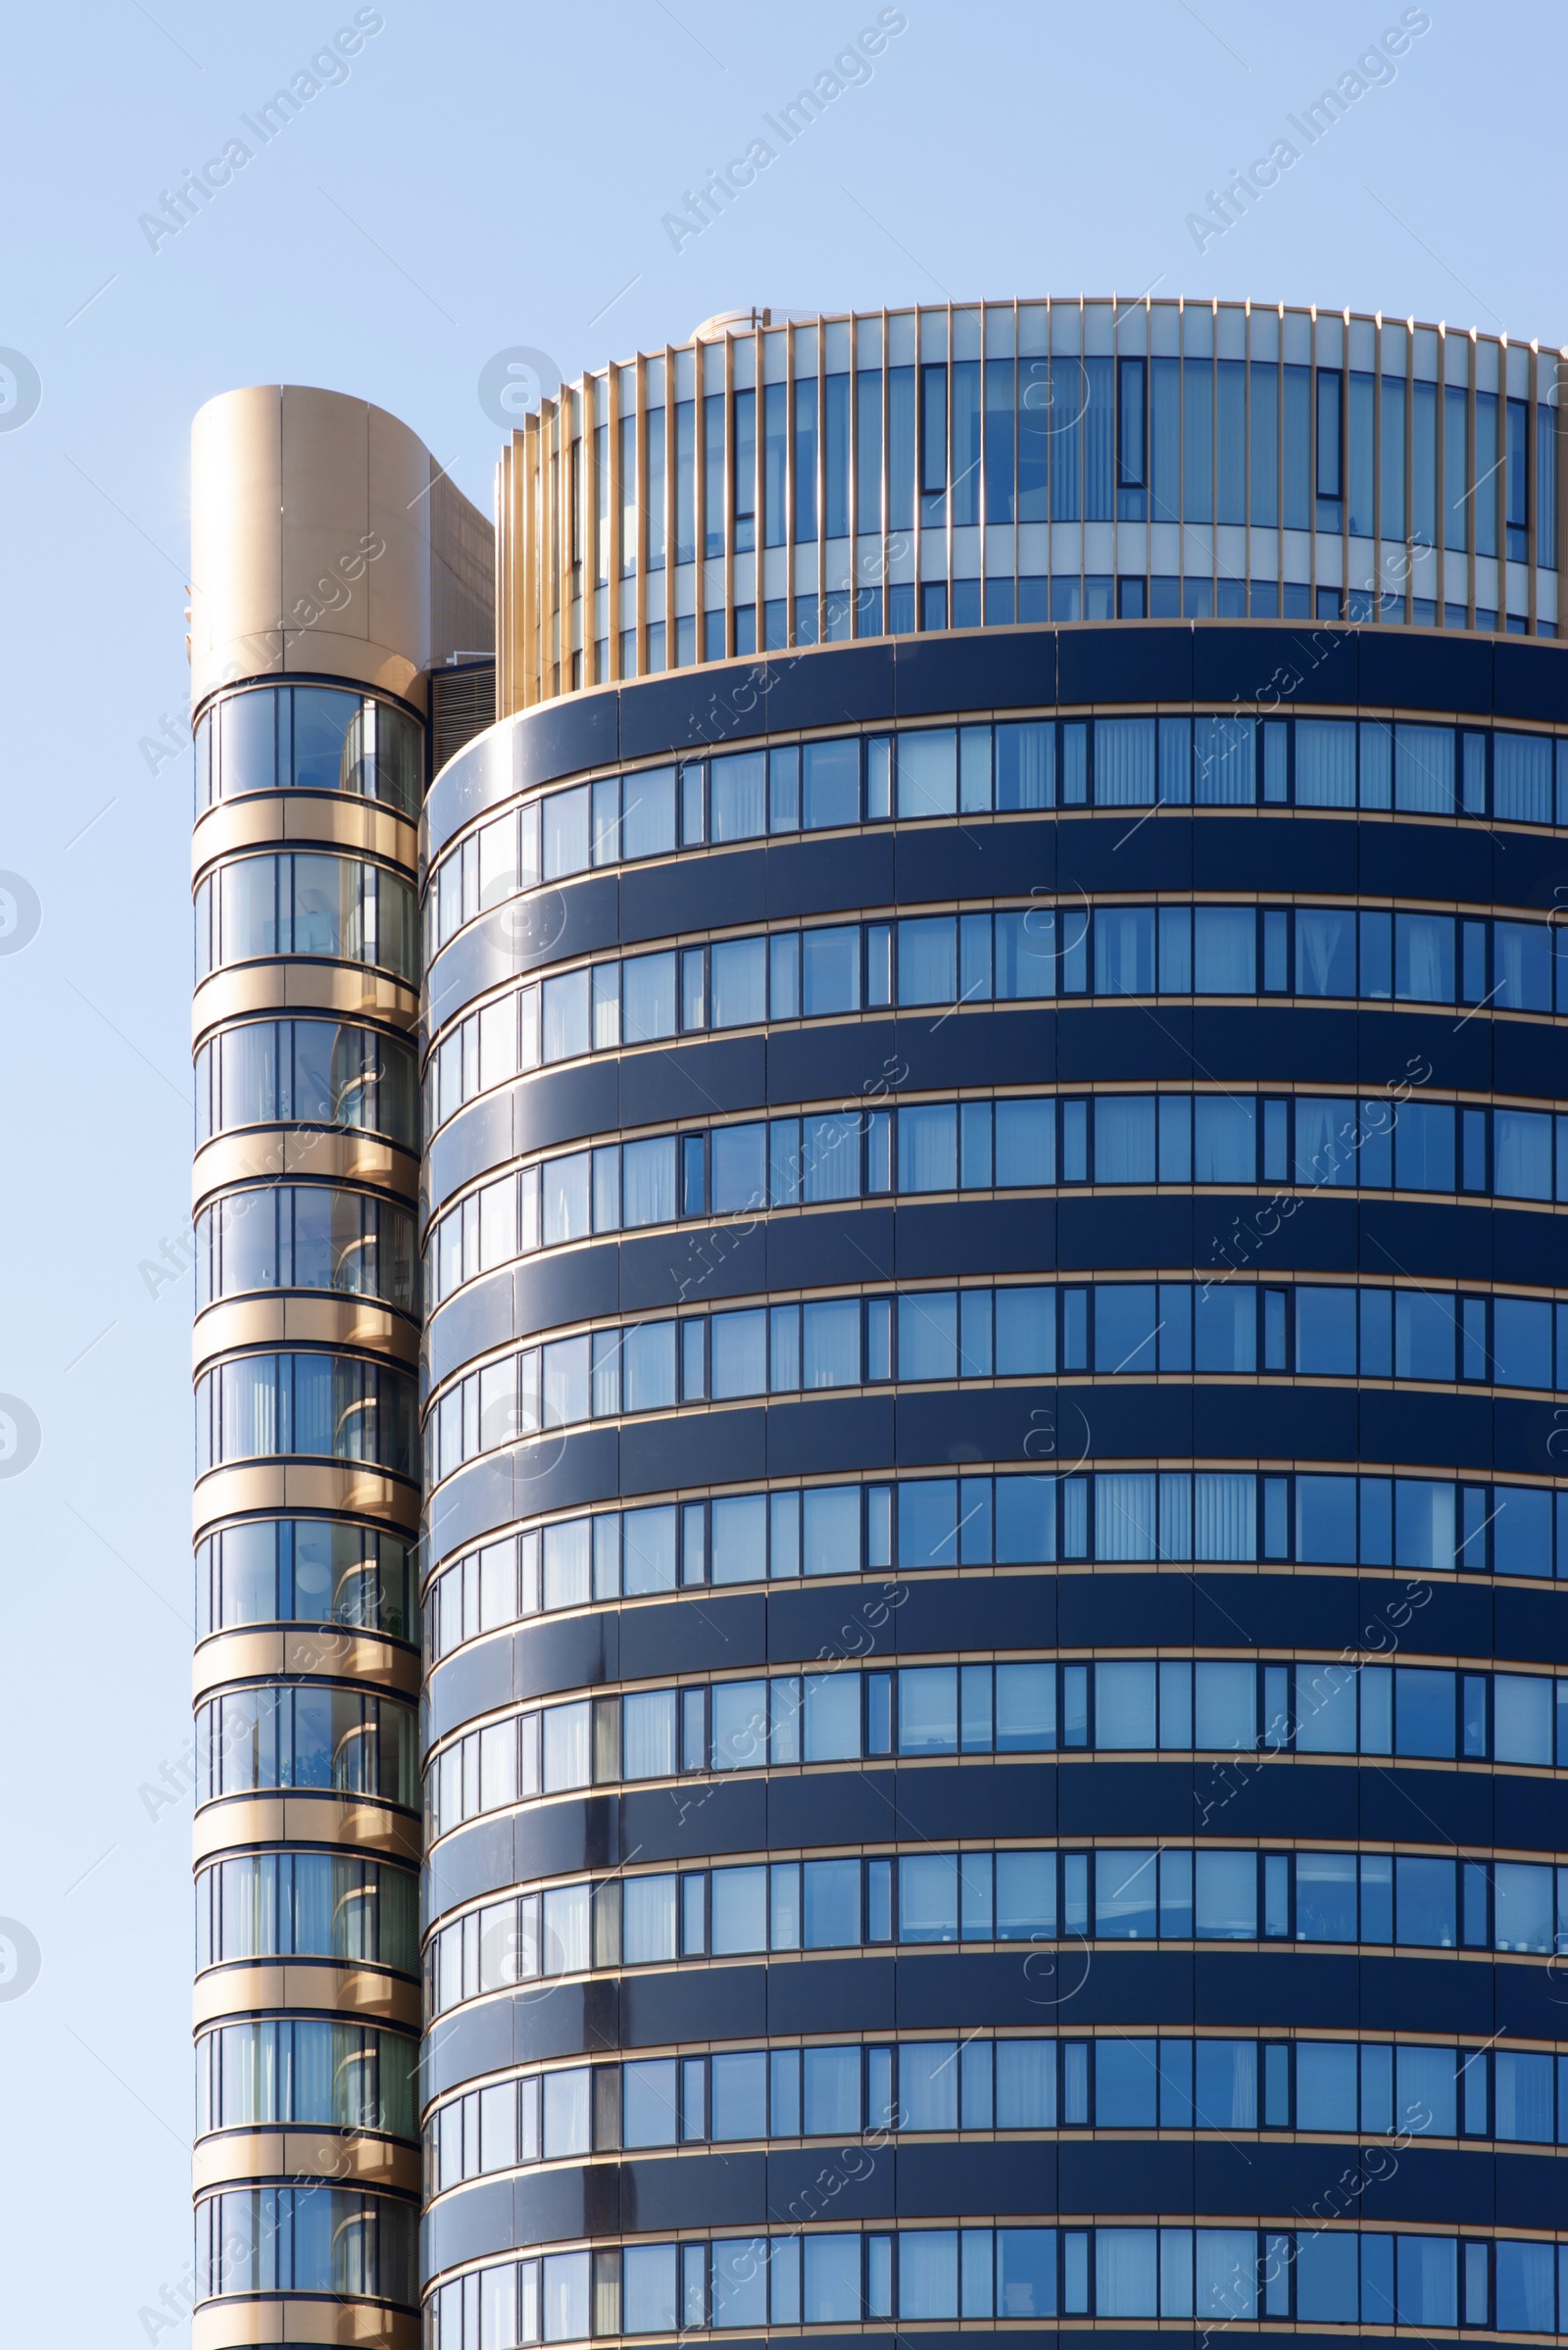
[789,485]
[1472,486]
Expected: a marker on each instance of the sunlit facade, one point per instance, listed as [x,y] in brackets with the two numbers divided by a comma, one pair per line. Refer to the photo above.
[918,470]
[992,1164]
[975,1344]
[335,570]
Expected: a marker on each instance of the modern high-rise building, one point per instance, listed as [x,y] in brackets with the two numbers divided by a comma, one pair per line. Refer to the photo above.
[969,1139]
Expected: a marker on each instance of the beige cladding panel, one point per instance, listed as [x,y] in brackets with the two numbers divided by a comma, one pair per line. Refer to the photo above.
[259,1154]
[357,1994]
[344,2158]
[312,550]
[235,546]
[265,819]
[236,2323]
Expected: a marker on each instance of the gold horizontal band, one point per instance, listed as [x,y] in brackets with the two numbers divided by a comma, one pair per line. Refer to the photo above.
[314,1319]
[272,1987]
[281,983]
[236,2323]
[301,2154]
[375,1831]
[335,1650]
[311,1487]
[263,1153]
[262,819]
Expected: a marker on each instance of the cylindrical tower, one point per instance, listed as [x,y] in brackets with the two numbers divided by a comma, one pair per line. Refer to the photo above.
[996,1308]
[329,567]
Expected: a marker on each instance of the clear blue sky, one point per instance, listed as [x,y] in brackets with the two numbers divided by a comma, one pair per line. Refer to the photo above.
[486,176]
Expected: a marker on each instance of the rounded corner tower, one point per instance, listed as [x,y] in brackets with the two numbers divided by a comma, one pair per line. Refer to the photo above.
[330,565]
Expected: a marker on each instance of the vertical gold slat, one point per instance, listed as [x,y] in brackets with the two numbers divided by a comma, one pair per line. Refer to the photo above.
[1473,497]
[669,507]
[1377,469]
[700,488]
[1409,469]
[729,496]
[640,547]
[503,598]
[530,560]
[821,478]
[762,474]
[1554,386]
[612,519]
[1345,466]
[1532,379]
[590,532]
[1279,454]
[548,461]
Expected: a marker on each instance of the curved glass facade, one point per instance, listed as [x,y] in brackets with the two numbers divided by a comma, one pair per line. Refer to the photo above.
[911,472]
[994,1497]
[307,1664]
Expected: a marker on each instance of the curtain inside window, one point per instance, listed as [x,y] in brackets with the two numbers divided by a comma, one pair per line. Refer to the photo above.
[1224,1515]
[1423,768]
[1423,959]
[928,1148]
[1521,777]
[1125,1138]
[1125,763]
[1325,762]
[1124,1515]
[1224,760]
[648,1181]
[1026,953]
[738,796]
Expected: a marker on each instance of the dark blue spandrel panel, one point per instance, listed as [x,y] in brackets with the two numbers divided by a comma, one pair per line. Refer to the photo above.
[996,670]
[693,893]
[1415,668]
[1134,665]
